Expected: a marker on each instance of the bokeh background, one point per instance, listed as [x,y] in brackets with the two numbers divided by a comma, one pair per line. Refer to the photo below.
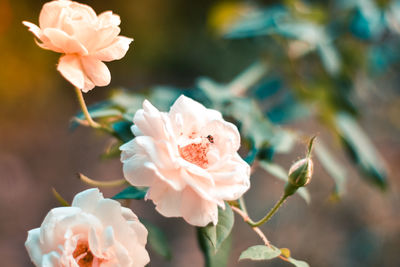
[177,41]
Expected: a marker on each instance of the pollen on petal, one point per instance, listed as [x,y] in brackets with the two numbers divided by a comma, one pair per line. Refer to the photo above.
[196,153]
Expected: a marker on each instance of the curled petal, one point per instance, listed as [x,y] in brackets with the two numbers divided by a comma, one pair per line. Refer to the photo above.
[33,29]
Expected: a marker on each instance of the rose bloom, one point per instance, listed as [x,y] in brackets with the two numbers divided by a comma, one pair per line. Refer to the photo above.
[92,232]
[84,38]
[188,158]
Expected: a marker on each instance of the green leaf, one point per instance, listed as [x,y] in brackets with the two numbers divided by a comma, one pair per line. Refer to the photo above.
[280,173]
[131,192]
[298,263]
[212,258]
[260,252]
[334,168]
[216,234]
[362,149]
[157,240]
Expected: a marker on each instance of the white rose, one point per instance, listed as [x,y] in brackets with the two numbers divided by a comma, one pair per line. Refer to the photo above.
[188,158]
[92,232]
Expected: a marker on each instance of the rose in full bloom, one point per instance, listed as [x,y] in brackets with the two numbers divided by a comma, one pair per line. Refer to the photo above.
[94,232]
[85,39]
[188,158]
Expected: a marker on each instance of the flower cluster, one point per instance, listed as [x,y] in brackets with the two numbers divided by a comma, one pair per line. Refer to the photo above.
[187,158]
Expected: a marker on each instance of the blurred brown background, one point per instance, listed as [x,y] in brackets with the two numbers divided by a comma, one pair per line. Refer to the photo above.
[174,46]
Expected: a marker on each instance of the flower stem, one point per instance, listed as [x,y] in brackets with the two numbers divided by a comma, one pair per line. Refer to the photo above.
[59,197]
[270,213]
[96,183]
[256,230]
[85,111]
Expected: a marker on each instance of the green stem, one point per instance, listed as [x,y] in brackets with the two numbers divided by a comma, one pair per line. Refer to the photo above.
[96,183]
[270,213]
[85,110]
[88,118]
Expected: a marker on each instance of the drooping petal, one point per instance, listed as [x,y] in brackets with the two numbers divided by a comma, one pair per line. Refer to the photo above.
[115,50]
[71,68]
[96,71]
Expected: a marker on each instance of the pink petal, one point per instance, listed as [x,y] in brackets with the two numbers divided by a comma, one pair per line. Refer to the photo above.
[71,68]
[96,71]
[143,160]
[115,51]
[105,37]
[167,200]
[50,14]
[86,200]
[45,42]
[89,85]
[84,10]
[33,28]
[151,122]
[107,18]
[63,41]
[198,211]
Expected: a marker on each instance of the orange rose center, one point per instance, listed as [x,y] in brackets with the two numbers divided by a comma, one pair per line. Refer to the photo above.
[196,153]
[82,255]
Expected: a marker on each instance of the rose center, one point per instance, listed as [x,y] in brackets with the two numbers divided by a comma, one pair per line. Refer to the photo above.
[196,153]
[82,255]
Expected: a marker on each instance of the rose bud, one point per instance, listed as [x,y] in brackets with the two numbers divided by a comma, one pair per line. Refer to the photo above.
[299,175]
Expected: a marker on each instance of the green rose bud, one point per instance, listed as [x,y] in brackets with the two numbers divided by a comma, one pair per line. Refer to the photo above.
[299,175]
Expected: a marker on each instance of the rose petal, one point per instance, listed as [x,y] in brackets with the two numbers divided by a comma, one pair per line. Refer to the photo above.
[107,18]
[87,199]
[64,42]
[33,28]
[115,50]
[71,68]
[197,211]
[167,200]
[151,122]
[50,14]
[32,245]
[96,71]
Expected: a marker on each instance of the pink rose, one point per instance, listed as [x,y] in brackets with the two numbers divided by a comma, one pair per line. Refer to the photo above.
[92,232]
[188,157]
[84,38]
